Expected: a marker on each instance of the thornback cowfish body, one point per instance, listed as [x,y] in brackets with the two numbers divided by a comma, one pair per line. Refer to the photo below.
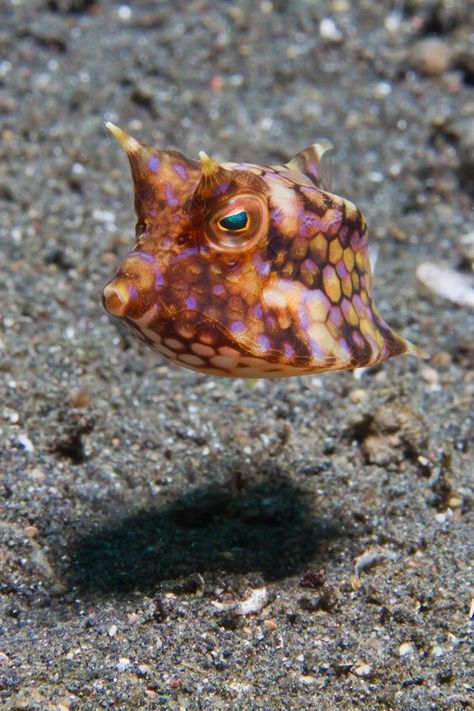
[245,270]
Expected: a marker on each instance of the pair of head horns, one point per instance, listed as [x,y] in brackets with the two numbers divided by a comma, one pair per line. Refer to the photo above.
[212,174]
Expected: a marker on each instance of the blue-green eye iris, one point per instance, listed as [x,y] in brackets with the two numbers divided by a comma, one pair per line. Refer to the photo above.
[236,222]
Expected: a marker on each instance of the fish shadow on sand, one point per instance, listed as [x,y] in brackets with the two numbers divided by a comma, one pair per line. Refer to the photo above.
[269,528]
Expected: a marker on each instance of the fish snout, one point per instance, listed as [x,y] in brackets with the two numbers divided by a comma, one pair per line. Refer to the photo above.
[132,290]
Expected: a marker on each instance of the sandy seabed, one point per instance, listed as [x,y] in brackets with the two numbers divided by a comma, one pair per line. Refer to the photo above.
[174,541]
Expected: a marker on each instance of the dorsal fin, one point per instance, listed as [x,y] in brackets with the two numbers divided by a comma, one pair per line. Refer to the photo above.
[313,162]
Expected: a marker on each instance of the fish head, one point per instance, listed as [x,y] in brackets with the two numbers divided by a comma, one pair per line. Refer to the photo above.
[244,270]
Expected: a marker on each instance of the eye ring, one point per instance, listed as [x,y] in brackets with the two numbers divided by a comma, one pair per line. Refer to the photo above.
[237,223]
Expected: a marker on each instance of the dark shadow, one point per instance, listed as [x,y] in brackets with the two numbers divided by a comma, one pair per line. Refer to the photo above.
[268,528]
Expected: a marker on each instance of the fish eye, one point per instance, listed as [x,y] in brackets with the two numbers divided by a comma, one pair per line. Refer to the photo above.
[237,223]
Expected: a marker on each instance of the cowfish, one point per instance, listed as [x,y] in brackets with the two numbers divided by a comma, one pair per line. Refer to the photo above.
[245,270]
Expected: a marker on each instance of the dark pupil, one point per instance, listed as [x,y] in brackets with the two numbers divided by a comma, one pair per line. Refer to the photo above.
[234,222]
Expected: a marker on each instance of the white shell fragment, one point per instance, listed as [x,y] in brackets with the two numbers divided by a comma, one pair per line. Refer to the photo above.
[252,604]
[371,558]
[444,281]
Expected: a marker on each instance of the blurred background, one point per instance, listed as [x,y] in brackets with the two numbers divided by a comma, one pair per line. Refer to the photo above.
[142,503]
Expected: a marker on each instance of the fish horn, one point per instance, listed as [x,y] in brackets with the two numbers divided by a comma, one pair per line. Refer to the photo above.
[128,143]
[213,177]
[143,159]
[208,165]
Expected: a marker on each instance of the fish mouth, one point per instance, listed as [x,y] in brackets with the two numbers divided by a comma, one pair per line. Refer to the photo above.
[116,299]
[134,286]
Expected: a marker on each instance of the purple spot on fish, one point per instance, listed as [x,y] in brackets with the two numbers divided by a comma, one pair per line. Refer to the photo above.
[237,327]
[335,316]
[166,242]
[159,280]
[309,265]
[176,219]
[308,218]
[222,188]
[357,241]
[180,169]
[305,230]
[303,317]
[218,289]
[315,297]
[277,216]
[288,350]
[152,213]
[191,302]
[258,311]
[132,291]
[190,252]
[344,349]
[263,343]
[143,255]
[328,225]
[343,234]
[341,269]
[313,169]
[346,307]
[263,268]
[361,307]
[317,350]
[154,164]
[270,323]
[358,340]
[170,198]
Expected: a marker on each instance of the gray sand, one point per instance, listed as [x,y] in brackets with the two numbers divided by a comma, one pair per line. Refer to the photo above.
[143,506]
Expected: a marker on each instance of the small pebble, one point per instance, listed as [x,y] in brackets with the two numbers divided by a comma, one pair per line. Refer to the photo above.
[369,559]
[393,21]
[328,30]
[442,359]
[429,375]
[216,83]
[25,443]
[362,670]
[357,395]
[112,631]
[124,13]
[123,664]
[270,625]
[443,516]
[31,531]
[444,281]
[466,244]
[406,649]
[355,582]
[255,602]
[4,660]
[430,57]
[38,474]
